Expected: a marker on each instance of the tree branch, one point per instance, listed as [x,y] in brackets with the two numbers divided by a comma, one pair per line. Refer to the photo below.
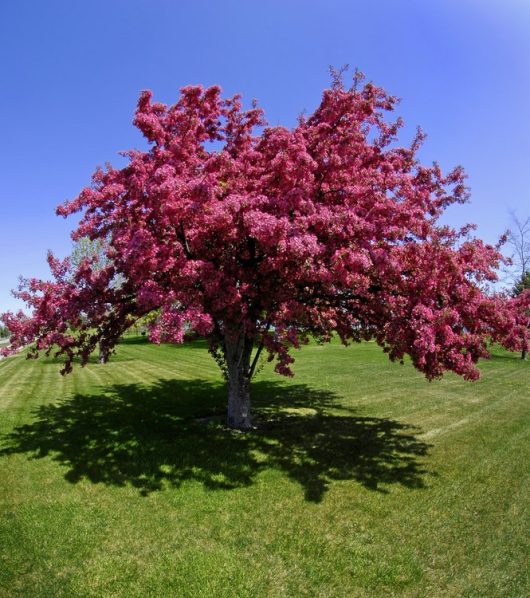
[252,368]
[184,242]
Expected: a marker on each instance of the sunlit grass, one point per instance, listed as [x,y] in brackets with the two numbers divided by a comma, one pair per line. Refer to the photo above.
[362,479]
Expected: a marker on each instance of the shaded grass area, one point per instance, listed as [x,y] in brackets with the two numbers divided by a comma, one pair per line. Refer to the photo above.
[361,479]
[151,436]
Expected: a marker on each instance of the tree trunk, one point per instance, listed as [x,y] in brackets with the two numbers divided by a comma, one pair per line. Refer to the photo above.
[523,354]
[237,353]
[103,354]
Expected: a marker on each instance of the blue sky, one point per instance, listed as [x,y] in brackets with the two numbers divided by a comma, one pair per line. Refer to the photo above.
[71,73]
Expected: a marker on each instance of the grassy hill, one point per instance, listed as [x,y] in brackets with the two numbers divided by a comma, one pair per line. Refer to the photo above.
[362,479]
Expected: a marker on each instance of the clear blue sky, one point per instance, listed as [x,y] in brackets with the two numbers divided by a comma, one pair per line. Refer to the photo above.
[71,73]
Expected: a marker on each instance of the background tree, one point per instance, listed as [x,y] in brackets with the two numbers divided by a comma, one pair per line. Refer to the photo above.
[519,268]
[519,243]
[261,237]
[522,285]
[93,252]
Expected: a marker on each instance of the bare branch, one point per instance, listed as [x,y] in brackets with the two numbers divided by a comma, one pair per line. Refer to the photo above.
[252,368]
[519,241]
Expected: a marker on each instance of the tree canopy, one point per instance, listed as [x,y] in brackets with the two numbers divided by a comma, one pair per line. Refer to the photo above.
[261,237]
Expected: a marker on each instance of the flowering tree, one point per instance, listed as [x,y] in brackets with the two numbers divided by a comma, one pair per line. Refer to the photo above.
[262,237]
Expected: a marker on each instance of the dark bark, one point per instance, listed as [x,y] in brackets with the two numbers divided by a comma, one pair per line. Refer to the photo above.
[237,355]
[523,354]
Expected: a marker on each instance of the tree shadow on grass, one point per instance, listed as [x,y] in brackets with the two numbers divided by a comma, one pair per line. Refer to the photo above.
[155,436]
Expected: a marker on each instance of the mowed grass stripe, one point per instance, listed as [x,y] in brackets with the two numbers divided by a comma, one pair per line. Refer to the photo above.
[24,379]
[171,361]
[472,415]
[10,371]
[476,517]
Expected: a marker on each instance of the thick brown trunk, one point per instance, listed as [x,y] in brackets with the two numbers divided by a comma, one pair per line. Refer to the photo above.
[237,355]
[523,354]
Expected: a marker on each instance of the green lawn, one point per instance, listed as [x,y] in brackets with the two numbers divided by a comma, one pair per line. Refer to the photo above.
[362,479]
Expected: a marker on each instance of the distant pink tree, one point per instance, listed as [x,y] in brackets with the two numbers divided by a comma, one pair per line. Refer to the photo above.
[262,237]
